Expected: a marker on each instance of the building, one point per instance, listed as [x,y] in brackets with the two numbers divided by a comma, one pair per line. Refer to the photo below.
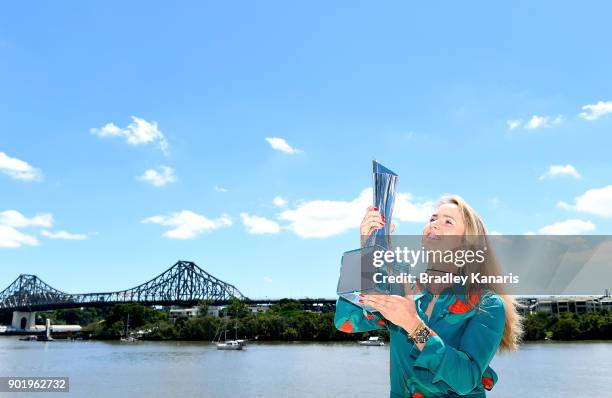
[606,303]
[176,313]
[257,308]
[560,304]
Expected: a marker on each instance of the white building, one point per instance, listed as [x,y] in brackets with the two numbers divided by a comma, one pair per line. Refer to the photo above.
[575,304]
[193,312]
[257,308]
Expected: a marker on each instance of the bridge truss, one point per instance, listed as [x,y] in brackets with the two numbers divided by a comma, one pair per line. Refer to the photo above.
[182,284]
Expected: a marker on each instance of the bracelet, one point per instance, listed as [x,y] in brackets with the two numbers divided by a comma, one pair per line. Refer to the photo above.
[420,334]
[418,325]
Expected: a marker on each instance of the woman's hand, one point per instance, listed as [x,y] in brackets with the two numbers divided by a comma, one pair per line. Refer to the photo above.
[372,221]
[401,310]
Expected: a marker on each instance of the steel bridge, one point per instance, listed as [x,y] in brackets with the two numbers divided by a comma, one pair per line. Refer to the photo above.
[182,284]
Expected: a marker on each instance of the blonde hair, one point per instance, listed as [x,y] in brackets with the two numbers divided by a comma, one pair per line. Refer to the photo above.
[476,234]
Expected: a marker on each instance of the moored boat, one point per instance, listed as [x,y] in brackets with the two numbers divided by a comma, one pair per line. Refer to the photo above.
[229,345]
[235,344]
[372,341]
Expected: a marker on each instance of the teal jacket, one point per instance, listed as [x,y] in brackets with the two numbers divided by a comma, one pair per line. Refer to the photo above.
[455,361]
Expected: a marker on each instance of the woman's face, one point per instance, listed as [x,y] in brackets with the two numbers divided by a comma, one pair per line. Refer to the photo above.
[446,221]
[444,231]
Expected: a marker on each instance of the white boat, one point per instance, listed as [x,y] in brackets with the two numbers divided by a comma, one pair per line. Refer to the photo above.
[372,341]
[235,344]
[229,345]
[127,337]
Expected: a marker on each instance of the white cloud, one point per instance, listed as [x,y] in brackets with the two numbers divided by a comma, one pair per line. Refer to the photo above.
[536,122]
[324,218]
[187,224]
[407,210]
[564,205]
[18,169]
[267,279]
[595,111]
[513,124]
[164,176]
[279,201]
[63,235]
[280,144]
[596,201]
[11,238]
[259,225]
[139,132]
[568,227]
[542,121]
[13,218]
[220,189]
[560,170]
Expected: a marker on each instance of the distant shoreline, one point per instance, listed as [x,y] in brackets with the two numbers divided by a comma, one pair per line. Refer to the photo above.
[286,321]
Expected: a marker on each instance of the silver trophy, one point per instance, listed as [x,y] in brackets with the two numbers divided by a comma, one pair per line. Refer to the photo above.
[357,270]
[384,198]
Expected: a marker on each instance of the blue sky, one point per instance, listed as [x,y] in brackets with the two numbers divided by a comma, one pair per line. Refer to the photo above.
[507,106]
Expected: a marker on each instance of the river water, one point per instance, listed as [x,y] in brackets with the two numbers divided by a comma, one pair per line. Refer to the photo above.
[343,370]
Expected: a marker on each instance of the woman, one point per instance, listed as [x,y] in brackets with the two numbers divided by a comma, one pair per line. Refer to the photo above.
[442,337]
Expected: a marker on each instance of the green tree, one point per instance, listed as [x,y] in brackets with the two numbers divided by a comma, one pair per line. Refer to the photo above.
[203,307]
[535,326]
[74,316]
[290,333]
[237,308]
[287,307]
[566,328]
[116,317]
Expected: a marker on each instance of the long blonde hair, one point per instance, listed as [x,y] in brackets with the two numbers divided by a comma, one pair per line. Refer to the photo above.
[476,230]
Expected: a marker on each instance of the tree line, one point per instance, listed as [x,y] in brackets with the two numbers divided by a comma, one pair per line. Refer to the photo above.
[288,321]
[284,321]
[568,326]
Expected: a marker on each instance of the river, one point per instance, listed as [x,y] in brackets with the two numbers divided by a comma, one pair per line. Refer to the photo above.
[300,370]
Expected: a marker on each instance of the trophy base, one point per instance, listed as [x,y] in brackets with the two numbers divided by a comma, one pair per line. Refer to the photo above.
[357,276]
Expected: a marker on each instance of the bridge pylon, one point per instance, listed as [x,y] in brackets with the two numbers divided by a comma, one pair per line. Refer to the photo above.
[24,320]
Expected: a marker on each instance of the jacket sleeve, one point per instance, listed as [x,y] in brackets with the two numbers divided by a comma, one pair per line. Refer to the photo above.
[461,369]
[351,318]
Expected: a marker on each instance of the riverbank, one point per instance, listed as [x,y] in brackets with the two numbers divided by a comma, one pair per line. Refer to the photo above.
[287,321]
